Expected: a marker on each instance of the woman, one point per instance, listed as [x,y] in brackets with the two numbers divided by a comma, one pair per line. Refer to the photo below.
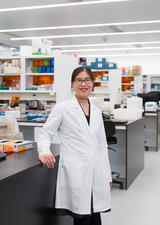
[84,177]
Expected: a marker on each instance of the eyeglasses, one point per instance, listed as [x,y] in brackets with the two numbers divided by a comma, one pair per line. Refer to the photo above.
[79,81]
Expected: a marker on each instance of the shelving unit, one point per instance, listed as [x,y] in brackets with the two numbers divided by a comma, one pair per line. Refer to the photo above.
[63,66]
[109,88]
[39,74]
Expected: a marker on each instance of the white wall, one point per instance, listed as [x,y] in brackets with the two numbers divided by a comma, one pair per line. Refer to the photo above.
[150,64]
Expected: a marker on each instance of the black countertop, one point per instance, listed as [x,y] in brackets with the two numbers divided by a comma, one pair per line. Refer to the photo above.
[18,162]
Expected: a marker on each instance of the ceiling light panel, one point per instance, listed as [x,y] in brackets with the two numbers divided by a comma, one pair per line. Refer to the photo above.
[120,55]
[141,27]
[113,49]
[56,32]
[110,39]
[149,24]
[89,35]
[59,5]
[107,44]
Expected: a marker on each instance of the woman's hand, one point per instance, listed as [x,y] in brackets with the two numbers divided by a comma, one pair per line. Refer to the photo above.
[110,183]
[48,160]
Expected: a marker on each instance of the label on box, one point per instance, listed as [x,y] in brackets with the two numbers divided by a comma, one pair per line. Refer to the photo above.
[100,65]
[110,64]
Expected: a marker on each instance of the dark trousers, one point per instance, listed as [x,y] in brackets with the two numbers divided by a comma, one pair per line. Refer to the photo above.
[94,219]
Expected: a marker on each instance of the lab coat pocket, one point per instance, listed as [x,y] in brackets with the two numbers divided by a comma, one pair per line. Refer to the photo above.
[72,170]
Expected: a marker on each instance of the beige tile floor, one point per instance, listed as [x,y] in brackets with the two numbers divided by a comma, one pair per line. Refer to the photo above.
[140,204]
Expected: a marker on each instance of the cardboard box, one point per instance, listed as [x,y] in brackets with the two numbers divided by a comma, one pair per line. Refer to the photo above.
[137,70]
[17,145]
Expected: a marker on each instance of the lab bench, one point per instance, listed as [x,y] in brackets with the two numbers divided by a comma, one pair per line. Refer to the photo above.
[152,130]
[27,191]
[128,159]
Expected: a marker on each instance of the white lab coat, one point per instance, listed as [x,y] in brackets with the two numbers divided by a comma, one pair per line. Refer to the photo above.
[84,168]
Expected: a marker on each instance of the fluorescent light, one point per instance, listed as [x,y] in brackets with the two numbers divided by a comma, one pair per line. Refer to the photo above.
[80,26]
[106,44]
[88,35]
[110,49]
[118,55]
[60,5]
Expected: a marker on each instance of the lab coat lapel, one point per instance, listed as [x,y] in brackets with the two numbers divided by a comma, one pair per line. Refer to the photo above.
[82,119]
[92,118]
[80,114]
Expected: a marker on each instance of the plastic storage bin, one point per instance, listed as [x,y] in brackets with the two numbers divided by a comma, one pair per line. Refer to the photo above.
[127,114]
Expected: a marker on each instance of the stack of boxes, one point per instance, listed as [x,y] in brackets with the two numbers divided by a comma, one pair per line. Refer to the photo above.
[99,63]
[43,66]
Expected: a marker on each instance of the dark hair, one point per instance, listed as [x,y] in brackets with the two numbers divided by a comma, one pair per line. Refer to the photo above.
[79,70]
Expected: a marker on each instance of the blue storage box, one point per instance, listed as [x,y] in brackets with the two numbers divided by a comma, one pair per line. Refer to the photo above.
[48,69]
[51,62]
[52,69]
[84,64]
[93,65]
[104,78]
[100,60]
[112,65]
[100,65]
[44,69]
[40,69]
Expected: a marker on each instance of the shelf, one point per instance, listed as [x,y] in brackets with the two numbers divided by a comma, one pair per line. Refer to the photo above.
[106,81]
[100,70]
[100,93]
[127,76]
[39,74]
[11,57]
[10,74]
[38,91]
[26,91]
[127,84]
[38,57]
[128,92]
[10,91]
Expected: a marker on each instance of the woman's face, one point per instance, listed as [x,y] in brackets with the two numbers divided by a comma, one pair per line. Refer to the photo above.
[82,85]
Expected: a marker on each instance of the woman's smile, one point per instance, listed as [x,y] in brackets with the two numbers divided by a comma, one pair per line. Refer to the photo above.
[83,89]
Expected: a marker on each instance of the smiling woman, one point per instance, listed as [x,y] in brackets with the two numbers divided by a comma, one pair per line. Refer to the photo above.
[83,186]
